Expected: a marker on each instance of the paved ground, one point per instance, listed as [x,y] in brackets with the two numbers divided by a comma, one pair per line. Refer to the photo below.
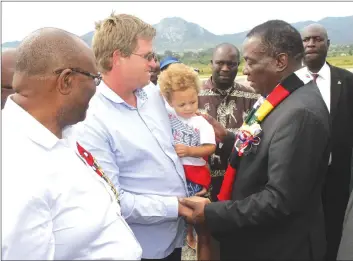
[188,254]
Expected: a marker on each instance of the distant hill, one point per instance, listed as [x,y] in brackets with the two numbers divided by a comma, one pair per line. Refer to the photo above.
[177,35]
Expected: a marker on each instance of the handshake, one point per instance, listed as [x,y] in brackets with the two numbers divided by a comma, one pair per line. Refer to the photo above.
[192,209]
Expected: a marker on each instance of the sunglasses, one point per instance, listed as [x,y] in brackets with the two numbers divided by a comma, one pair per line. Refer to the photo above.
[97,78]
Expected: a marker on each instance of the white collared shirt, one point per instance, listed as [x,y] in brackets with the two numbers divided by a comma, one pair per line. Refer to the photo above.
[323,82]
[54,205]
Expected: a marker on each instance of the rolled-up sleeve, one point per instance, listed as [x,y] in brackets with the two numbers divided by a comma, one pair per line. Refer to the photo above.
[135,208]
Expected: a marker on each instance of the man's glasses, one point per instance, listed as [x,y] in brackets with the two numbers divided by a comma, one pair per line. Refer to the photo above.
[97,78]
[149,57]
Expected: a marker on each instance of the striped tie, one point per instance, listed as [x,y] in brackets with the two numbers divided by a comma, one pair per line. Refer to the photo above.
[315,75]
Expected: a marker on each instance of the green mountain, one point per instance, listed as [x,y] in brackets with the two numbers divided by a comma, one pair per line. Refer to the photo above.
[178,35]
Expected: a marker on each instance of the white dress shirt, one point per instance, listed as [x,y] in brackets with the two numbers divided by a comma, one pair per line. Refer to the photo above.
[53,205]
[135,148]
[323,82]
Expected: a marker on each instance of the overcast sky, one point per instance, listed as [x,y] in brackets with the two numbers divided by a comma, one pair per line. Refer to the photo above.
[21,18]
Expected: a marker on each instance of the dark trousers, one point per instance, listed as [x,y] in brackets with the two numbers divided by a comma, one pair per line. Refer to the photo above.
[174,256]
[334,198]
[216,187]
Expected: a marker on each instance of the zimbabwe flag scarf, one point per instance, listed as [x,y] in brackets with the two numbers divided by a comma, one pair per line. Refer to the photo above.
[248,135]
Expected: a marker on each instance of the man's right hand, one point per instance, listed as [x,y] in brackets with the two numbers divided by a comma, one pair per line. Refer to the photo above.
[220,131]
[184,211]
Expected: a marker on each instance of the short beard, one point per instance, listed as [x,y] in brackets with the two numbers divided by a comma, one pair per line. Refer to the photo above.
[315,65]
[223,86]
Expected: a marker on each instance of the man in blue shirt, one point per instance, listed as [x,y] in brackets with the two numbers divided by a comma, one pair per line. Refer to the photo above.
[127,130]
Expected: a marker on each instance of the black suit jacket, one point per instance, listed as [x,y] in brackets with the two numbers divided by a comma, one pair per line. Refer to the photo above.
[276,209]
[342,124]
[337,186]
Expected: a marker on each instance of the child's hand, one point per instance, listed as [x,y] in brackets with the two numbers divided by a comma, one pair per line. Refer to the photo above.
[182,150]
[202,192]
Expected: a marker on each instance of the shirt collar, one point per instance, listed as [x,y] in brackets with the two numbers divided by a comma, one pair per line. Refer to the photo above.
[109,93]
[112,96]
[304,75]
[324,71]
[24,122]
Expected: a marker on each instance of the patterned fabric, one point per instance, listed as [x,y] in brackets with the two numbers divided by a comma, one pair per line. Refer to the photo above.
[229,107]
[141,94]
[193,188]
[183,133]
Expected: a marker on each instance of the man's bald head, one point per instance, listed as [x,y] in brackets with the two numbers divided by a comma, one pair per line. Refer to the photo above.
[316,44]
[8,59]
[226,48]
[317,28]
[225,62]
[55,74]
[9,55]
[48,49]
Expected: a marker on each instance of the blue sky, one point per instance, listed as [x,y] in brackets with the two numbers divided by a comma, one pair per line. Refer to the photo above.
[21,18]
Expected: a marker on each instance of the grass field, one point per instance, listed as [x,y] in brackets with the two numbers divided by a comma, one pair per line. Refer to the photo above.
[339,61]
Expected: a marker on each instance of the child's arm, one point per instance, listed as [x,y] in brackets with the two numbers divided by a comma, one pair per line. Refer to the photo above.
[196,152]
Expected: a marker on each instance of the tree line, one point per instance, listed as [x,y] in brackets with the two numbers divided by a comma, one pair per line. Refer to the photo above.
[202,58]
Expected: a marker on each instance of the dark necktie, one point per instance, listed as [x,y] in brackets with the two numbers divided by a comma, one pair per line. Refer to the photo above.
[315,75]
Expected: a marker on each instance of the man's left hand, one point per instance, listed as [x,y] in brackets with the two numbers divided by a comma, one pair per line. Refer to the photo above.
[197,204]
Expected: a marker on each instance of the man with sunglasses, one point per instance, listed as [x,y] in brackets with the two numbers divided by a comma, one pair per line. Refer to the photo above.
[58,204]
[127,129]
[7,70]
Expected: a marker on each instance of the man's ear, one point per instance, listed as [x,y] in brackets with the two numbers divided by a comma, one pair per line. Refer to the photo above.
[281,62]
[116,58]
[65,81]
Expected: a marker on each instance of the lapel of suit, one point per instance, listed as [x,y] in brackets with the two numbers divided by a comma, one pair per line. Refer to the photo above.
[336,87]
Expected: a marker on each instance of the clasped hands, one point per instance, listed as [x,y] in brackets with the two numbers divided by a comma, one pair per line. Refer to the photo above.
[192,209]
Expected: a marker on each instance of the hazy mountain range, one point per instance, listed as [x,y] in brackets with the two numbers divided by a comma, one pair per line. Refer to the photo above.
[176,34]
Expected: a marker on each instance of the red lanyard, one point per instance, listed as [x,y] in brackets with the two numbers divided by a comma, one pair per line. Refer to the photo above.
[87,156]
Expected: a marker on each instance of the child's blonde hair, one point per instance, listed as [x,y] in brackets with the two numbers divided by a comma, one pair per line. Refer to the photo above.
[178,77]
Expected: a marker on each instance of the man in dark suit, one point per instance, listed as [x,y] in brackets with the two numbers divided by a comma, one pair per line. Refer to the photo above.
[336,87]
[275,211]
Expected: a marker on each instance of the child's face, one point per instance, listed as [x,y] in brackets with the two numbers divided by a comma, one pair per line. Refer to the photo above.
[185,103]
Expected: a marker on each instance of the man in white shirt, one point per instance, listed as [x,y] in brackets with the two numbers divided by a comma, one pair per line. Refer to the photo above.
[336,87]
[56,201]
